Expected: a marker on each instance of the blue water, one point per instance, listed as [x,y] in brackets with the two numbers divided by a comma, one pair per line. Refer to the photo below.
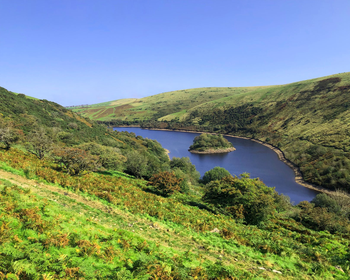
[249,156]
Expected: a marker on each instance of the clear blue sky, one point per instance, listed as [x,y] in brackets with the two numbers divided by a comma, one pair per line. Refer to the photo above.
[88,51]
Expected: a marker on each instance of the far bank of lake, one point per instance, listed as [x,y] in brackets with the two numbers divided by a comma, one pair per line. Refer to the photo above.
[249,156]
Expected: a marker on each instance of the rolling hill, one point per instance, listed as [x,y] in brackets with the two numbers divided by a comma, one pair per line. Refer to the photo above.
[107,224]
[308,120]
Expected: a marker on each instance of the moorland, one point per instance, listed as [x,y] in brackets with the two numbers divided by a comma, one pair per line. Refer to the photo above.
[80,201]
[308,120]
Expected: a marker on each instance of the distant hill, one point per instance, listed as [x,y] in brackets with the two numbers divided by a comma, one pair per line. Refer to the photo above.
[308,120]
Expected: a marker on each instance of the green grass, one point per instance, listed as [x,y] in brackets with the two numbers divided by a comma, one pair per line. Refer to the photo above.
[140,234]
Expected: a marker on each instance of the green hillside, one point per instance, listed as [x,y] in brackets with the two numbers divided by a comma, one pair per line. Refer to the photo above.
[79,201]
[308,120]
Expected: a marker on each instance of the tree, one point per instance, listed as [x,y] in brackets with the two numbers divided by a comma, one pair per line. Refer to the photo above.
[109,157]
[217,173]
[8,136]
[38,143]
[165,183]
[136,164]
[75,161]
[242,198]
[184,164]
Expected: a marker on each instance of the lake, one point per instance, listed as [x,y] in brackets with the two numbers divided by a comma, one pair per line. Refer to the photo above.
[250,157]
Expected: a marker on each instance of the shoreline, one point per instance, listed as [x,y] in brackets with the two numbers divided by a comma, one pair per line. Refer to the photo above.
[298,175]
[213,151]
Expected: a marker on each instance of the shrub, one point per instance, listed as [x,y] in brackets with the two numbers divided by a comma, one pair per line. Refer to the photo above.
[8,136]
[75,161]
[319,218]
[189,170]
[244,198]
[136,164]
[325,201]
[165,183]
[217,173]
[109,157]
[38,143]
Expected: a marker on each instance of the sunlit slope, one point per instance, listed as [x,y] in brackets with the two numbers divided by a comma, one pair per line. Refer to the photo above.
[161,105]
[179,104]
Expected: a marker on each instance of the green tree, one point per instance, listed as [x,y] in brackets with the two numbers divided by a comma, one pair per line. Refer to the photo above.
[243,198]
[109,157]
[8,137]
[39,143]
[136,164]
[217,173]
[165,183]
[75,161]
[189,170]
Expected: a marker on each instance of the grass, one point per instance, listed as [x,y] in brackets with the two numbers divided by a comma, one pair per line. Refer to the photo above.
[139,233]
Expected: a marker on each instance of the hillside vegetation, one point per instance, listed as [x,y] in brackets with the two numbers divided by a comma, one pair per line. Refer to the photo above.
[79,201]
[308,120]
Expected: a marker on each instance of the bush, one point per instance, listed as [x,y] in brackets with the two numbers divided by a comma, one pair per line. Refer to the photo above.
[75,161]
[136,164]
[244,198]
[38,143]
[165,183]
[189,170]
[217,173]
[325,201]
[319,218]
[8,136]
[109,157]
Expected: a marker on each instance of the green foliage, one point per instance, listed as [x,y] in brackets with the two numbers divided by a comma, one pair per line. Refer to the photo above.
[136,164]
[245,198]
[190,174]
[217,173]
[319,218]
[8,136]
[206,141]
[75,161]
[96,241]
[326,201]
[165,183]
[39,143]
[109,157]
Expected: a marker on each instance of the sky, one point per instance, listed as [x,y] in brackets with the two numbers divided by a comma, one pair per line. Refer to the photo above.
[88,51]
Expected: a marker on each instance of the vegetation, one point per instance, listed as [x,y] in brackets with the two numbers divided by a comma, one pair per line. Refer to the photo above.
[217,173]
[245,198]
[165,183]
[210,143]
[68,210]
[129,242]
[307,120]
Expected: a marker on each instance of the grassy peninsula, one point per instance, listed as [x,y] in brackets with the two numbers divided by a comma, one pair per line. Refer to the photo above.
[80,201]
[210,144]
[307,120]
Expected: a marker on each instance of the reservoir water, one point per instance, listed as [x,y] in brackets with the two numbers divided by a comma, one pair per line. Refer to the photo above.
[249,156]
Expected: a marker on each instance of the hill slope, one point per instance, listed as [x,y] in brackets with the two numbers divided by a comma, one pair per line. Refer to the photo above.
[308,120]
[105,224]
